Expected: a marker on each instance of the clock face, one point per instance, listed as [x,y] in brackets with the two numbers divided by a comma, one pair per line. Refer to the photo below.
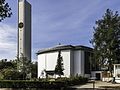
[20,25]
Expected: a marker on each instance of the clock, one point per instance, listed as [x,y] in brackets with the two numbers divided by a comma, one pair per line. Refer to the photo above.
[20,25]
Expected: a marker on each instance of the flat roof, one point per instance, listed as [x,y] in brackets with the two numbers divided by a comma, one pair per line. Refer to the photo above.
[64,47]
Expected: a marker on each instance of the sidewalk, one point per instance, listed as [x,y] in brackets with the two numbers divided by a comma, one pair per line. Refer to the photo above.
[99,85]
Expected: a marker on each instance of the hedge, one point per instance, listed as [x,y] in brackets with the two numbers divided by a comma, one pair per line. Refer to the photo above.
[30,84]
[58,83]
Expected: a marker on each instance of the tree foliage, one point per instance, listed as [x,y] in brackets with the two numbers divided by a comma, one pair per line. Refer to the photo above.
[34,70]
[8,70]
[7,64]
[59,67]
[24,66]
[5,10]
[10,74]
[106,39]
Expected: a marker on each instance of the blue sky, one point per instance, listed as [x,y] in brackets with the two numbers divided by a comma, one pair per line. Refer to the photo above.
[53,22]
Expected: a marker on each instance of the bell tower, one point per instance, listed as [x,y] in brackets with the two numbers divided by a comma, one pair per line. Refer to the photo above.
[24,29]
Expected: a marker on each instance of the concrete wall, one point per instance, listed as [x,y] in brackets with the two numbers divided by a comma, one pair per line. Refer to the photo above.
[27,31]
[24,34]
[71,62]
[93,74]
[79,62]
[20,30]
[116,73]
[48,61]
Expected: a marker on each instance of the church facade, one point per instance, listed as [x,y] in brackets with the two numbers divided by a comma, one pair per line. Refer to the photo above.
[76,60]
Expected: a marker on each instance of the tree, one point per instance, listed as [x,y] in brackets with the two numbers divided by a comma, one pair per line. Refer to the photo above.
[10,74]
[24,66]
[7,64]
[34,69]
[59,67]
[8,70]
[5,10]
[106,40]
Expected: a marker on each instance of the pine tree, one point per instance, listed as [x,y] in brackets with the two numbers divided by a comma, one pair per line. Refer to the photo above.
[59,67]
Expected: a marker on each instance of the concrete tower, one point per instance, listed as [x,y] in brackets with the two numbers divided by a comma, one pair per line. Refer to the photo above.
[24,29]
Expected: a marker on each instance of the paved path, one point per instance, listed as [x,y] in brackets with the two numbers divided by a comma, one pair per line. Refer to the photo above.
[99,85]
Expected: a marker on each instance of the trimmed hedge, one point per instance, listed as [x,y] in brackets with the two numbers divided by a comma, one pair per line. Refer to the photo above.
[58,83]
[73,80]
[30,84]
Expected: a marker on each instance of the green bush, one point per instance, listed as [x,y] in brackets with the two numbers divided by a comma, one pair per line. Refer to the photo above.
[30,84]
[73,80]
[43,83]
[9,74]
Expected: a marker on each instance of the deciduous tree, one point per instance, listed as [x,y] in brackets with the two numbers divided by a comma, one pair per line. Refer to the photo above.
[5,10]
[106,40]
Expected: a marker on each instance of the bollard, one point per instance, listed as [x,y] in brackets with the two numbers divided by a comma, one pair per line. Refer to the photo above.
[113,81]
[93,84]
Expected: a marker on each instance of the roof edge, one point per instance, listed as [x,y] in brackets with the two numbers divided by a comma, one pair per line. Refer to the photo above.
[64,47]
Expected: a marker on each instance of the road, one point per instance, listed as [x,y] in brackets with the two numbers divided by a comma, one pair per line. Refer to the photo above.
[98,85]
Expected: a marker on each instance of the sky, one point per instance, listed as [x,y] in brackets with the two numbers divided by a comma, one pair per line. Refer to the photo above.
[69,22]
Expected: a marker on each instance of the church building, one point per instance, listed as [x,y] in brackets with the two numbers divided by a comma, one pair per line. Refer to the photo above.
[76,60]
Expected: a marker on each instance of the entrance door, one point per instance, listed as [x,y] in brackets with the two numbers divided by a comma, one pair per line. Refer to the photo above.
[97,76]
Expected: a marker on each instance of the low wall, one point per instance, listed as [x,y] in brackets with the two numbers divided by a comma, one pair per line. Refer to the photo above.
[117,80]
[106,79]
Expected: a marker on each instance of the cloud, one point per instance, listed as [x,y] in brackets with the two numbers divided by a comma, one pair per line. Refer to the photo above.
[54,21]
[8,38]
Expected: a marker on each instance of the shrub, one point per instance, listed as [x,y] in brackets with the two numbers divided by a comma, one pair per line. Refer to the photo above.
[9,74]
[73,80]
[43,83]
